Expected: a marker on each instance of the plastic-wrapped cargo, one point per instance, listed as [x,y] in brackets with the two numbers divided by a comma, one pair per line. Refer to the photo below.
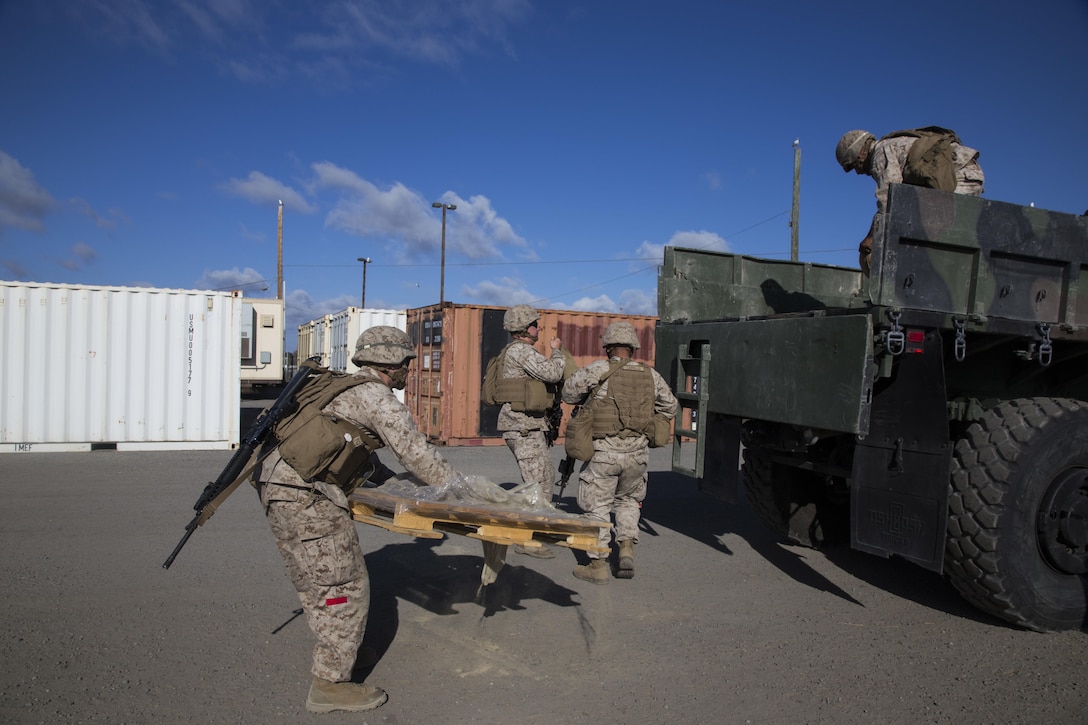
[85,367]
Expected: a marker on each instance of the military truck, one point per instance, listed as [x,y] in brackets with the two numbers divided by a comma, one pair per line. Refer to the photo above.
[936,410]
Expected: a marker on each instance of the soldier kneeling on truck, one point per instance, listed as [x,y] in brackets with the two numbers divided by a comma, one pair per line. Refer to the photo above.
[931,156]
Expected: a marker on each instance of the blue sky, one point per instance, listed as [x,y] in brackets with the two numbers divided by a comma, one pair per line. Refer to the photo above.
[148,143]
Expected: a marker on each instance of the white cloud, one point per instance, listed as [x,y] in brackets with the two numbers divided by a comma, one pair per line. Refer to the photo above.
[83,255]
[332,43]
[480,230]
[302,308]
[429,30]
[247,234]
[603,303]
[505,292]
[367,211]
[84,208]
[23,201]
[639,302]
[261,189]
[474,229]
[248,279]
[699,240]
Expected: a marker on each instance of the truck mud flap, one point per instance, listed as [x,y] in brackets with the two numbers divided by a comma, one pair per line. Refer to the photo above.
[899,496]
[721,467]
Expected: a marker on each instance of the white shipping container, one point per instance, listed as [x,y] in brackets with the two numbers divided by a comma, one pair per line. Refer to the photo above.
[333,336]
[346,326]
[320,340]
[86,367]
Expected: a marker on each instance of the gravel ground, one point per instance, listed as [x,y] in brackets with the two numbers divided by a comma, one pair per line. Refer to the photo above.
[722,624]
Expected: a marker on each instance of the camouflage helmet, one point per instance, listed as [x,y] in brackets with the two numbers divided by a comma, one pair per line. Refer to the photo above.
[620,333]
[382,345]
[518,318]
[849,149]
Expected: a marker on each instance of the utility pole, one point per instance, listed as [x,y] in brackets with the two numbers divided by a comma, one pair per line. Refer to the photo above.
[442,274]
[279,254]
[796,198]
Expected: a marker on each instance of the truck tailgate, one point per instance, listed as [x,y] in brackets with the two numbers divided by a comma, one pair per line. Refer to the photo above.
[809,370]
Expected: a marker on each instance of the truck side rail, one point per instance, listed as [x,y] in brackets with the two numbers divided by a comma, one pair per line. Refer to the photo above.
[979,259]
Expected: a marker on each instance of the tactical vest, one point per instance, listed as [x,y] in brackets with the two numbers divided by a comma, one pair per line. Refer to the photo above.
[525,395]
[319,445]
[627,408]
[930,160]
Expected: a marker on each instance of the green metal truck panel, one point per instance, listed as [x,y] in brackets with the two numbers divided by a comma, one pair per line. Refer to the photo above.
[812,371]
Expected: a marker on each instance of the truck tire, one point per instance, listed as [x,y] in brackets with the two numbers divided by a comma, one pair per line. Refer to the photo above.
[1017,543]
[794,503]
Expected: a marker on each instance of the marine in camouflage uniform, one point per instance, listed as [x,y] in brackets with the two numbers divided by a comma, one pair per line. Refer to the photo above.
[885,160]
[524,433]
[614,480]
[314,528]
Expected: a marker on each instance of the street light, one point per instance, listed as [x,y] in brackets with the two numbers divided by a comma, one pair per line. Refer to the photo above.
[442,277]
[365,261]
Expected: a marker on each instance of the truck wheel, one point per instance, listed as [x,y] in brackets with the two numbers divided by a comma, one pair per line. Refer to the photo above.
[795,504]
[1017,544]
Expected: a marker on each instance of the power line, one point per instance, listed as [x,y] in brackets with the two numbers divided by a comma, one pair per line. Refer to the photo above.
[489,264]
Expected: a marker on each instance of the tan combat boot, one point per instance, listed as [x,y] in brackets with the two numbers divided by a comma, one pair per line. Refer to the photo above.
[543,551]
[326,696]
[595,571]
[626,569]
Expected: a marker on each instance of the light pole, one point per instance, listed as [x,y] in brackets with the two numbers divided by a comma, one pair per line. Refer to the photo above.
[442,274]
[365,261]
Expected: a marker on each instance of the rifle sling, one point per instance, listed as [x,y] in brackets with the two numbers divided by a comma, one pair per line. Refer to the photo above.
[207,511]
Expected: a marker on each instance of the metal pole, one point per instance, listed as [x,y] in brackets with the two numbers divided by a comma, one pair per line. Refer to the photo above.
[279,254]
[442,273]
[365,261]
[794,249]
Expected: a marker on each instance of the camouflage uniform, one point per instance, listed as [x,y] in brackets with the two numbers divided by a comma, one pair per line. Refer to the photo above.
[885,164]
[316,534]
[889,156]
[614,481]
[524,432]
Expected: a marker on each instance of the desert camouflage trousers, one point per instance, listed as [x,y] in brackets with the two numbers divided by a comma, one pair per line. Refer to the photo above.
[614,483]
[320,546]
[530,449]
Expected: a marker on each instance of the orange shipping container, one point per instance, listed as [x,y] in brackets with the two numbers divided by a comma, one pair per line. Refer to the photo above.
[454,344]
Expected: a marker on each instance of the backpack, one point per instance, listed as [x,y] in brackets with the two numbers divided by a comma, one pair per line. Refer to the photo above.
[930,160]
[492,376]
[318,445]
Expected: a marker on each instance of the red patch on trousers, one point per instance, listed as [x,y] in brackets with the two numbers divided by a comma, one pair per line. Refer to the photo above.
[336,600]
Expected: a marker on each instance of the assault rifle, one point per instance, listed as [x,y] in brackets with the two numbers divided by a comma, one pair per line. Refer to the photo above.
[566,468]
[235,471]
[554,414]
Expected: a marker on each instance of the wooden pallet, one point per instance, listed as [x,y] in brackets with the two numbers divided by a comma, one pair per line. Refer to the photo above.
[487,522]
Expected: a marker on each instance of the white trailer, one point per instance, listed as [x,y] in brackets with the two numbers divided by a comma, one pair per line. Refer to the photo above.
[261,343]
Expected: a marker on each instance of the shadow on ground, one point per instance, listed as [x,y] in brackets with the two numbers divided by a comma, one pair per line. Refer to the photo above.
[415,573]
[674,502]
